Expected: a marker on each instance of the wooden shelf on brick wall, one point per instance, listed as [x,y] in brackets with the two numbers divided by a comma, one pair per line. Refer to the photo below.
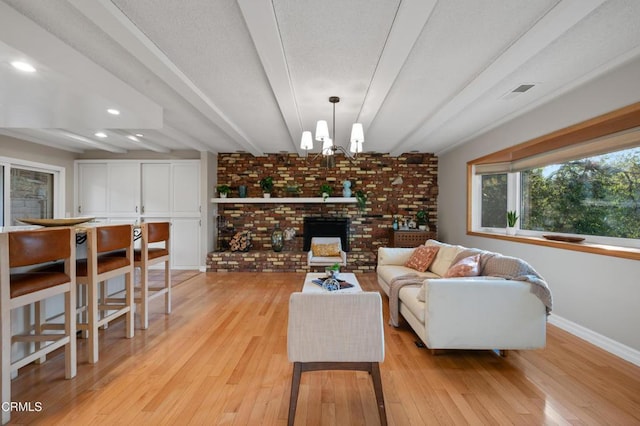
[284,200]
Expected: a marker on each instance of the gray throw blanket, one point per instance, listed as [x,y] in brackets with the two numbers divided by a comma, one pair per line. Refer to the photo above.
[512,268]
[394,289]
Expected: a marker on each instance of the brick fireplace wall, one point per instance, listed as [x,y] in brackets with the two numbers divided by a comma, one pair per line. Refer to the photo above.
[371,173]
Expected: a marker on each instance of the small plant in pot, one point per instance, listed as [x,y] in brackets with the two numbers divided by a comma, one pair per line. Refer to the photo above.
[422,219]
[267,186]
[223,190]
[361,199]
[326,190]
[332,271]
[512,219]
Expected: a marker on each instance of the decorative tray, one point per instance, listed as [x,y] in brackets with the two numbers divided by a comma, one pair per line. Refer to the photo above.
[563,238]
[69,221]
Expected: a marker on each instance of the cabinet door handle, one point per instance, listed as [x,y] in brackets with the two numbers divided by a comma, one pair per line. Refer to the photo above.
[79,209]
[136,209]
[142,210]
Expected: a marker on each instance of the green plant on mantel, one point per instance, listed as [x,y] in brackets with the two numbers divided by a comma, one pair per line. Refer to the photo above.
[223,189]
[361,199]
[266,184]
[326,190]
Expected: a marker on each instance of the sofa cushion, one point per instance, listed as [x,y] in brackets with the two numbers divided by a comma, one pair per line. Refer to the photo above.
[407,296]
[465,267]
[389,272]
[394,255]
[422,257]
[444,257]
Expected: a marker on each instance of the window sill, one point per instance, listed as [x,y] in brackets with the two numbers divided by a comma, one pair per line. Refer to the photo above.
[602,249]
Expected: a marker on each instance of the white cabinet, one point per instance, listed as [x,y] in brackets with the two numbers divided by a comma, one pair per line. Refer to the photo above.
[126,191]
[156,189]
[185,190]
[92,189]
[123,185]
[185,243]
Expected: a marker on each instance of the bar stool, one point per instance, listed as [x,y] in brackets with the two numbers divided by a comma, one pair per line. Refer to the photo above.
[146,256]
[19,288]
[93,272]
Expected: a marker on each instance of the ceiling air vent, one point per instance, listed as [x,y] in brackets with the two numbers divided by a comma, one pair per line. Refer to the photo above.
[518,90]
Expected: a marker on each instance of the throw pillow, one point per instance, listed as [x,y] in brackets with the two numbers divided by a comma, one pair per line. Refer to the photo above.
[467,267]
[325,250]
[422,257]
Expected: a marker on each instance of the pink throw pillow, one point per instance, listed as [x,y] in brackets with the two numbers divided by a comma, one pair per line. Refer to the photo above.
[422,257]
[467,267]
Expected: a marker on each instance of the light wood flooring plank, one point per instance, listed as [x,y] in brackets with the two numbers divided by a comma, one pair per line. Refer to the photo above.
[220,358]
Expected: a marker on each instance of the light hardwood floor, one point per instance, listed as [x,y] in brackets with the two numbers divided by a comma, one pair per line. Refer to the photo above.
[220,358]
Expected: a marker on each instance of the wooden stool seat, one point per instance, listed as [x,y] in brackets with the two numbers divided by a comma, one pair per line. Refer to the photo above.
[154,253]
[30,282]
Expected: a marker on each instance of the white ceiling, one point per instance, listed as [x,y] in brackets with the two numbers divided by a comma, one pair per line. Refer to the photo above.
[248,75]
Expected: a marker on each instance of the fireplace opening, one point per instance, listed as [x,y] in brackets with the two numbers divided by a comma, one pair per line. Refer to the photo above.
[326,227]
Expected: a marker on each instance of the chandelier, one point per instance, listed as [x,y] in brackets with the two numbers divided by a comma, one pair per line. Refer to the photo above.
[329,148]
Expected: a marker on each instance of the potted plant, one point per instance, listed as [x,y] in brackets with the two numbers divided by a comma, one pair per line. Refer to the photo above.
[512,219]
[422,219]
[267,186]
[223,190]
[326,190]
[332,271]
[361,199]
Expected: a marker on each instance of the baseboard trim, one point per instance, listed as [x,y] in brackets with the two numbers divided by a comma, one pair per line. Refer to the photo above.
[616,348]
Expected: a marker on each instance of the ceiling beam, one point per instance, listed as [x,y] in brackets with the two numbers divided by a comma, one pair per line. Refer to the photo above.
[113,22]
[263,27]
[25,134]
[85,140]
[410,19]
[549,28]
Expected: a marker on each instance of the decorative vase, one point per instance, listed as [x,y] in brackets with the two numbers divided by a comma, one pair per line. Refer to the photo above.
[242,191]
[223,195]
[266,195]
[277,239]
[346,188]
[511,230]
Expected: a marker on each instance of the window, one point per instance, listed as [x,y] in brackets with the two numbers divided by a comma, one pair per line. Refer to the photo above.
[31,195]
[31,190]
[597,195]
[494,200]
[583,180]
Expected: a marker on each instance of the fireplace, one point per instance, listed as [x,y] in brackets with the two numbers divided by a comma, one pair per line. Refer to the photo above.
[326,227]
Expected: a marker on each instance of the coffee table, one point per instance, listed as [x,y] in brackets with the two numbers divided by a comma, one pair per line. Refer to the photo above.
[311,287]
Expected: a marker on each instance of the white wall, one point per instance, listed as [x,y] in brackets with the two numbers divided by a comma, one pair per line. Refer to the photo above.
[600,294]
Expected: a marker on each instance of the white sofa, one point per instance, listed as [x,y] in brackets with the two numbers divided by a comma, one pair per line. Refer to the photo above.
[464,313]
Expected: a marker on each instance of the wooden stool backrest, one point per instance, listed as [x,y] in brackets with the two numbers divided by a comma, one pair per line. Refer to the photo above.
[115,237]
[157,231]
[38,246]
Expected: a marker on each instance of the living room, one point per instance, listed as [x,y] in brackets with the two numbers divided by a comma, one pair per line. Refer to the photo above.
[595,291]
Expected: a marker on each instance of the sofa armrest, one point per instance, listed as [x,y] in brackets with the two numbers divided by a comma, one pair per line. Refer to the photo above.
[394,255]
[483,314]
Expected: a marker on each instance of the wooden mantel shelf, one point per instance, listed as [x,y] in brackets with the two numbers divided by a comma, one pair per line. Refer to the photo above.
[284,200]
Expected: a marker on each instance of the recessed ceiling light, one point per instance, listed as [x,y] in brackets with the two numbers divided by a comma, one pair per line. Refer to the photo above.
[139,135]
[133,138]
[113,111]
[23,66]
[100,134]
